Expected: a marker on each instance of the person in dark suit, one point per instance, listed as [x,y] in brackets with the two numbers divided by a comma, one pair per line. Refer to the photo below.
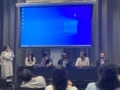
[46,61]
[64,61]
[102,60]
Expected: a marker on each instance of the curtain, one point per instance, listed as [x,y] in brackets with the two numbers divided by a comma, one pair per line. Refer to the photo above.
[110,29]
[8,28]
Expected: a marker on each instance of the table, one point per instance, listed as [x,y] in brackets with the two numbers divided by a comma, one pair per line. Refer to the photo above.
[74,74]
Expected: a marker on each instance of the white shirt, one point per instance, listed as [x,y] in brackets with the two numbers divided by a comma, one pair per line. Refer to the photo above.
[30,63]
[36,82]
[7,55]
[50,87]
[82,63]
[6,63]
[92,86]
[102,61]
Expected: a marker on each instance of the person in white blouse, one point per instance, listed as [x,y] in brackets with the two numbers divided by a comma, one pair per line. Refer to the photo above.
[30,60]
[82,61]
[7,57]
[60,81]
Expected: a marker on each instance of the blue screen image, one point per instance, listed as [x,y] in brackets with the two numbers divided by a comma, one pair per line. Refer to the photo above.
[56,25]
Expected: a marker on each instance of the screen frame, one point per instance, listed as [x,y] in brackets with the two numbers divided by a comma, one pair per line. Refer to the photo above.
[20,5]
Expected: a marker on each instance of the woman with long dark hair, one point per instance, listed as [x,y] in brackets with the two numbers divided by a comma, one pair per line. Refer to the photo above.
[108,79]
[30,60]
[60,81]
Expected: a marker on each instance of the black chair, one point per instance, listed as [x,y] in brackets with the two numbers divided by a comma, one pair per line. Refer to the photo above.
[3,84]
[22,88]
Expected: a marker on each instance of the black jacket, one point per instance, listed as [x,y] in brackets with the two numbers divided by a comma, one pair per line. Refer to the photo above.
[98,62]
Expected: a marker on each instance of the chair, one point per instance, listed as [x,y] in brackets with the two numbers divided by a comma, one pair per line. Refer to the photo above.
[3,84]
[21,88]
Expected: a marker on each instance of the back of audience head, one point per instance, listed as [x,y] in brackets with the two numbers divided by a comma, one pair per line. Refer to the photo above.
[108,77]
[26,75]
[59,79]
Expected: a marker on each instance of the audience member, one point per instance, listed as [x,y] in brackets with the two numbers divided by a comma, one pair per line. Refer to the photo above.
[82,61]
[108,79]
[60,81]
[30,60]
[31,81]
[64,61]
[102,60]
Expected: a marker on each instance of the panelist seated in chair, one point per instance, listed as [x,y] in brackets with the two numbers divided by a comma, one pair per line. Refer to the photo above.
[46,61]
[64,61]
[30,60]
[82,61]
[102,60]
[31,81]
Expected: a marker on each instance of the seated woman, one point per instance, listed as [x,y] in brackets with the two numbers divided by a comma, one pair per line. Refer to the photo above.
[30,60]
[31,81]
[60,81]
[83,60]
[108,79]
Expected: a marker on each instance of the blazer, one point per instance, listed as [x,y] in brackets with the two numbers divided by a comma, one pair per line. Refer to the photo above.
[99,62]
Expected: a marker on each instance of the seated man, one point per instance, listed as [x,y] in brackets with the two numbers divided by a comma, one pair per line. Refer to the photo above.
[102,60]
[31,81]
[64,61]
[46,61]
